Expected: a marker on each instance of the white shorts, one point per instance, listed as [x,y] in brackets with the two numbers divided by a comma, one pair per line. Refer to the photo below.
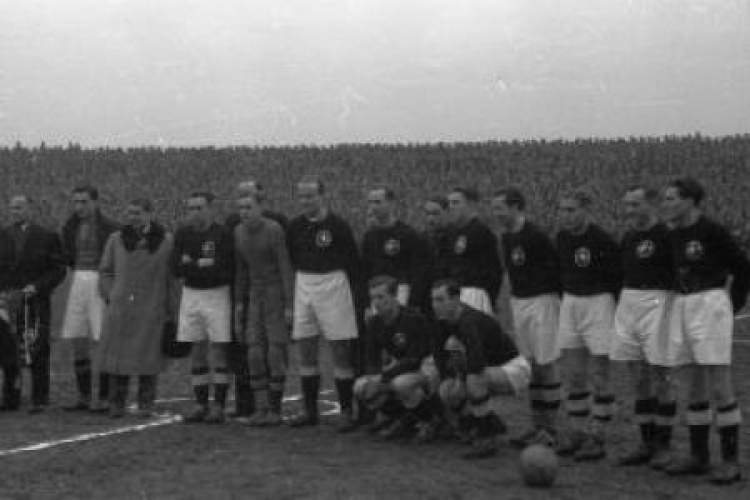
[323,303]
[84,311]
[700,329]
[587,322]
[536,320]
[204,315]
[477,298]
[641,326]
[515,375]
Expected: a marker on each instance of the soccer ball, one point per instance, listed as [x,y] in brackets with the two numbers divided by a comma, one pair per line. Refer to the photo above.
[538,465]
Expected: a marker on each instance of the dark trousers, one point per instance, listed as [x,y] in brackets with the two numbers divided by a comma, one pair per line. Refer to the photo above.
[40,369]
[10,366]
[39,318]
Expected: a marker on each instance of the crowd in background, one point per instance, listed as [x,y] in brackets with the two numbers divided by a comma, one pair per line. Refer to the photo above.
[543,168]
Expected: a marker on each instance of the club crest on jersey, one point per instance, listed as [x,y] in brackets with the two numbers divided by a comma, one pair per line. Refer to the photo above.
[323,238]
[392,247]
[694,250]
[460,247]
[399,340]
[208,249]
[582,257]
[645,249]
[518,256]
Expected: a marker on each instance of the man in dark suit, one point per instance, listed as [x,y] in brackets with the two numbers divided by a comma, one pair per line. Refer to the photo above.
[8,340]
[38,267]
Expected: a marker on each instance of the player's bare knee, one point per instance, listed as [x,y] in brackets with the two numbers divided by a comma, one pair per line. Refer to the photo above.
[545,374]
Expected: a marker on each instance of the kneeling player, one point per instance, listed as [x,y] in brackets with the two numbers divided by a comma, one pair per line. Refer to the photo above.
[401,392]
[478,360]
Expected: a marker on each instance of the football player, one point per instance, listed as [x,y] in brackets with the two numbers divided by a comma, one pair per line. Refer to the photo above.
[83,238]
[326,262]
[390,247]
[474,355]
[402,388]
[237,352]
[264,294]
[705,257]
[641,324]
[202,259]
[472,258]
[534,274]
[590,275]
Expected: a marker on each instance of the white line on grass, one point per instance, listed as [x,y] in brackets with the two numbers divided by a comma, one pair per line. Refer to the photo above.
[167,419]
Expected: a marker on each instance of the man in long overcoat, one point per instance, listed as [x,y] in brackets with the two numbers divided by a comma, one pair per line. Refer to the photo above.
[136,283]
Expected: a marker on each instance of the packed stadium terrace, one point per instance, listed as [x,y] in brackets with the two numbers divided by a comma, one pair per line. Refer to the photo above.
[542,168]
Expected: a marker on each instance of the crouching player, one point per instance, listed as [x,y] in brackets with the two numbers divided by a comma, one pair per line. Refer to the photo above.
[477,362]
[402,392]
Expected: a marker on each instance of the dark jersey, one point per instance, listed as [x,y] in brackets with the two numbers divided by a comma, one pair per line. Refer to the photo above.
[191,245]
[484,341]
[647,259]
[323,246]
[531,261]
[395,251]
[407,340]
[589,262]
[705,255]
[472,259]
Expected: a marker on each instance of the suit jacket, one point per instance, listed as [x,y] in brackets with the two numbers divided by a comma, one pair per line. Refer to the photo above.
[38,259]
[7,259]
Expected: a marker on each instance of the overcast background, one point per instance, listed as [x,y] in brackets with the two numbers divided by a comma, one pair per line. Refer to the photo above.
[196,72]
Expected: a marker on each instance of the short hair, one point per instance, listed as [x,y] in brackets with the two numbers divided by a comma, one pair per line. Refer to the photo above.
[26,198]
[88,189]
[206,195]
[689,188]
[143,203]
[452,288]
[309,179]
[252,185]
[253,196]
[579,196]
[469,193]
[649,193]
[512,196]
[389,194]
[440,201]
[390,283]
